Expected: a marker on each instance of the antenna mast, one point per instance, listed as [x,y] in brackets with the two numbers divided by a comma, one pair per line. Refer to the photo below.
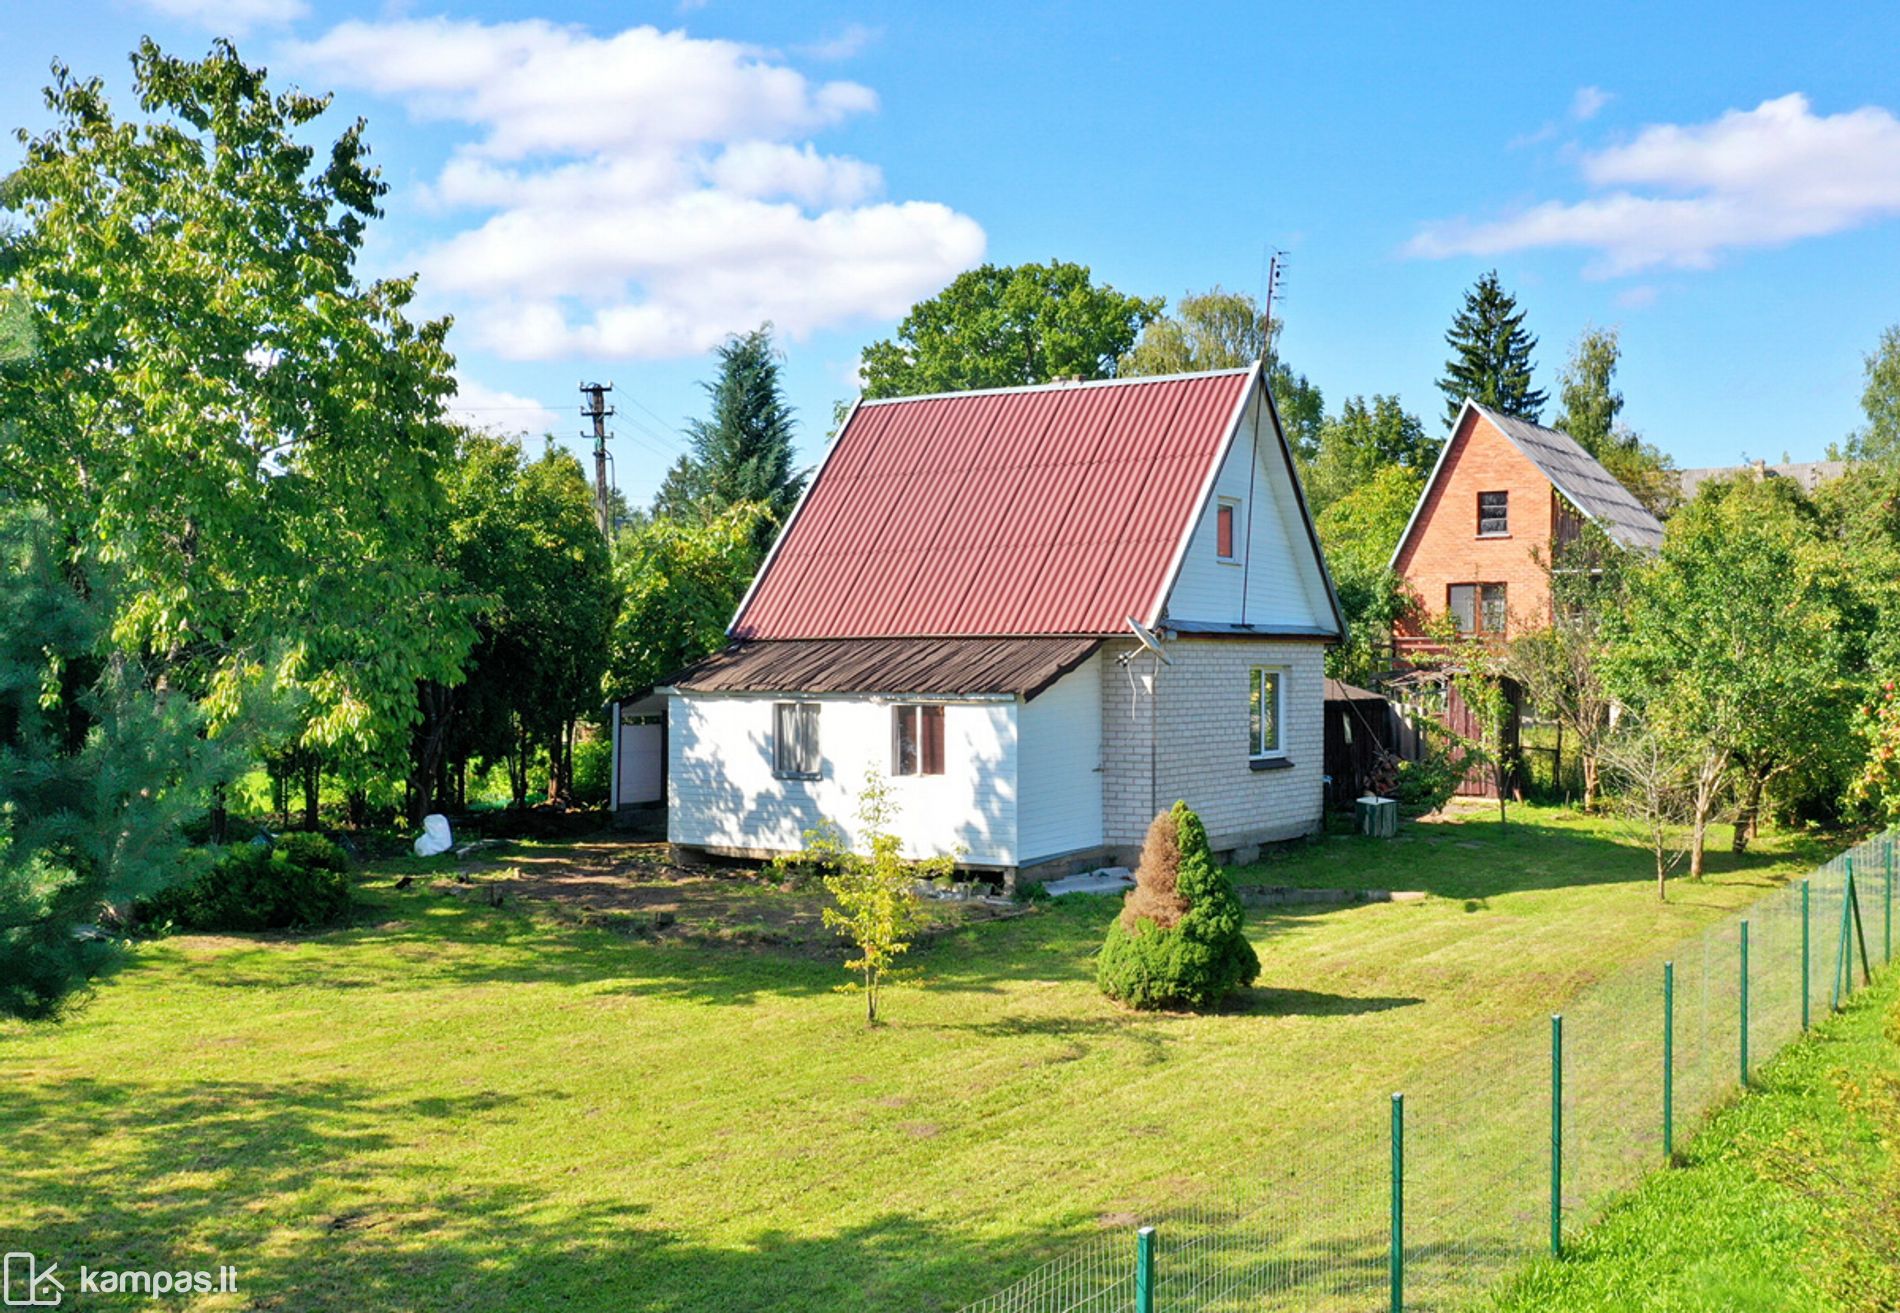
[1276,267]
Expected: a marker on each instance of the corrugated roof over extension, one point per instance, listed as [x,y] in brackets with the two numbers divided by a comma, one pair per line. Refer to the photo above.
[913,667]
[1582,480]
[1047,510]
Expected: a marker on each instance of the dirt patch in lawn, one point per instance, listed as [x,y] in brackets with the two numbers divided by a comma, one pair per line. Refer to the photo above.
[633,888]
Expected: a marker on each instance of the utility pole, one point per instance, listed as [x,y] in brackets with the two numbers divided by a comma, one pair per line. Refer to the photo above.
[598,411]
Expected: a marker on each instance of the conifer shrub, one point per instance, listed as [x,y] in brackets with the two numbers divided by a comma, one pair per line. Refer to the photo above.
[1180,941]
[299,882]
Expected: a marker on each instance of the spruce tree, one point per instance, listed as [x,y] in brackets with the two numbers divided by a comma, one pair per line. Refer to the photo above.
[1491,355]
[743,451]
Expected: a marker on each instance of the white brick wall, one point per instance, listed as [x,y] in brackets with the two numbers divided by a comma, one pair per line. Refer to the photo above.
[1200,750]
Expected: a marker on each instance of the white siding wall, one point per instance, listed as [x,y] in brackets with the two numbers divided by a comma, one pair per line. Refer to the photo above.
[1060,807]
[722,793]
[1283,583]
[1201,749]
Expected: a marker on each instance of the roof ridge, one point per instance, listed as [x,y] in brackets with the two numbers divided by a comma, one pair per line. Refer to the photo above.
[1058,385]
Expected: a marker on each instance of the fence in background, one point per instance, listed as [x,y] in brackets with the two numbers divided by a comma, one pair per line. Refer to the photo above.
[1487,1162]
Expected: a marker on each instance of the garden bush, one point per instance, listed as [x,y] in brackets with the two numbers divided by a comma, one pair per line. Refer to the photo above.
[299,882]
[1181,939]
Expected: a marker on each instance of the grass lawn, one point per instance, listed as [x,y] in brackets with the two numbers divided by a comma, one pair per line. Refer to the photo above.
[456,1106]
[1789,1200]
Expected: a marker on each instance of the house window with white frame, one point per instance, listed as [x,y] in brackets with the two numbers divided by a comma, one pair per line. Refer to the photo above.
[795,740]
[1266,714]
[1226,517]
[917,740]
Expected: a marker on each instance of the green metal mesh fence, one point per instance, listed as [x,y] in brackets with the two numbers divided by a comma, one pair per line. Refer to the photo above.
[1490,1177]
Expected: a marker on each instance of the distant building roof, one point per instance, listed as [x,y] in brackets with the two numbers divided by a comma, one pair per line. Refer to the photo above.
[1058,509]
[1810,474]
[1581,478]
[910,667]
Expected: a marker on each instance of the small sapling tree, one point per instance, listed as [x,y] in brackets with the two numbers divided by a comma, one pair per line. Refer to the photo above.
[878,909]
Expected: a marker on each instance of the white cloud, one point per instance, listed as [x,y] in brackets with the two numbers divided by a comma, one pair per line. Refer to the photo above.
[481,407]
[847,42]
[1680,196]
[645,193]
[233,17]
[1588,103]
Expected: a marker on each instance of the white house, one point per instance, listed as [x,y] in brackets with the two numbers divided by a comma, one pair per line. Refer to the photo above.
[1044,613]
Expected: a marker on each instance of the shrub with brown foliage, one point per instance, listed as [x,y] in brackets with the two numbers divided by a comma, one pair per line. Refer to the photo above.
[1181,940]
[1156,896]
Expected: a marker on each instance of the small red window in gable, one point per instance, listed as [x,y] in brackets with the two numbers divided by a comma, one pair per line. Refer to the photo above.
[1224,531]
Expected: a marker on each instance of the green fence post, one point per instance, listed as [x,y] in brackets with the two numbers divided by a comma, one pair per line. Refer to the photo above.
[1669,1061]
[1396,1264]
[1145,1270]
[1886,919]
[1557,1135]
[1843,951]
[1744,1002]
[1805,955]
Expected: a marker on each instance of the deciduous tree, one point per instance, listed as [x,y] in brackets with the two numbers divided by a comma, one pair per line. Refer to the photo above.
[1731,641]
[1591,406]
[679,582]
[216,403]
[1006,326]
[1879,438]
[1359,532]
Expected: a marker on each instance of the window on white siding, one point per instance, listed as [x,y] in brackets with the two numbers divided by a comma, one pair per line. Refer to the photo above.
[795,739]
[1266,714]
[917,740]
[1226,515]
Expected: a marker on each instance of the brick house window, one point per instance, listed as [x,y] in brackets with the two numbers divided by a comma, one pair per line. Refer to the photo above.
[917,740]
[1224,530]
[795,740]
[1478,608]
[1494,514]
[1266,714]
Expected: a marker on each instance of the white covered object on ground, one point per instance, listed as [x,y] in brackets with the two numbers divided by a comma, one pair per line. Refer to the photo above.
[435,837]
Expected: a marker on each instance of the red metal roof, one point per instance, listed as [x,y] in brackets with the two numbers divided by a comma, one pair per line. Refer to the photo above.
[1050,510]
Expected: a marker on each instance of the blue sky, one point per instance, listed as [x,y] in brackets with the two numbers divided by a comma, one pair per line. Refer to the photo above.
[600,189]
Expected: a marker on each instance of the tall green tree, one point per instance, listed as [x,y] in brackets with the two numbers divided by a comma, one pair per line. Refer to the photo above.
[1879,438]
[680,582]
[743,451]
[1219,329]
[1006,326]
[521,537]
[221,408]
[1490,355]
[1733,643]
[1591,410]
[1359,532]
[1364,438]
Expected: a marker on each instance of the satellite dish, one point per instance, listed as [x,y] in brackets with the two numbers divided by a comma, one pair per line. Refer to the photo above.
[1148,640]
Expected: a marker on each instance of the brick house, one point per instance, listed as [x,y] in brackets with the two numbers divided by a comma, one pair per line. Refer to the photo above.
[1043,614]
[1503,496]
